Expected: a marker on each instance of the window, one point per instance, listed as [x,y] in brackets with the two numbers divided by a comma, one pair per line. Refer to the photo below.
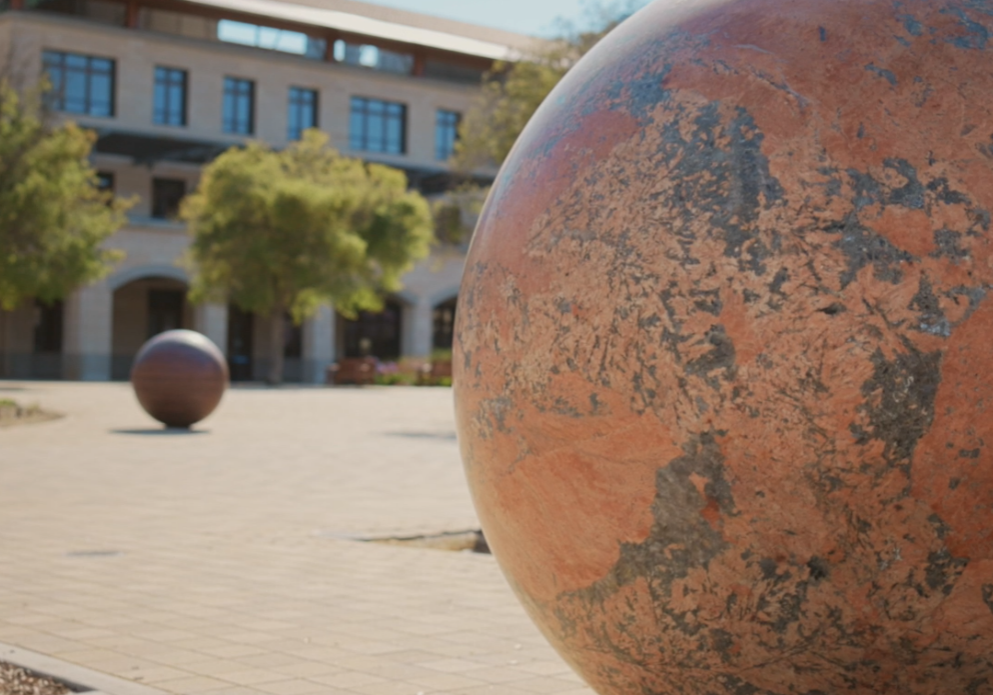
[180,24]
[166,197]
[303,111]
[446,132]
[378,126]
[48,327]
[105,181]
[165,311]
[170,97]
[374,57]
[271,39]
[292,338]
[444,325]
[239,106]
[375,334]
[100,11]
[451,72]
[80,84]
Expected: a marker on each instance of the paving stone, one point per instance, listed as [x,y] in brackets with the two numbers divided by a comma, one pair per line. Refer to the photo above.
[225,561]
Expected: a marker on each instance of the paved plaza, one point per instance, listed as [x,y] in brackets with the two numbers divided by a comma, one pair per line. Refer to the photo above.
[230,561]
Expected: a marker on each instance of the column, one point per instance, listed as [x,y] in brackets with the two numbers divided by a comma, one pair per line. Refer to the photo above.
[418,329]
[318,345]
[88,333]
[212,321]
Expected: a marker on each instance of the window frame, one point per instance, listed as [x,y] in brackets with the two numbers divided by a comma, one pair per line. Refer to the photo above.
[294,126]
[362,142]
[165,110]
[57,97]
[156,198]
[231,123]
[446,127]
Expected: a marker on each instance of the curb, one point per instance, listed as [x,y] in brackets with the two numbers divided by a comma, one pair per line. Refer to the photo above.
[78,678]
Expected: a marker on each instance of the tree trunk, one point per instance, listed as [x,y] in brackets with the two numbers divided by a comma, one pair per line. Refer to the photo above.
[276,336]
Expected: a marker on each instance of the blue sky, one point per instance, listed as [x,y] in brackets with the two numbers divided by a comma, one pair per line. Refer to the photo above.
[536,17]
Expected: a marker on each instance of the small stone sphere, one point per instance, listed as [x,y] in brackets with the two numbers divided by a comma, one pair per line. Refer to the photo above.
[179,377]
[724,352]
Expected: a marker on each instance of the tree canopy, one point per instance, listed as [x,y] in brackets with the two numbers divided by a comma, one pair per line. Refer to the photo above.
[53,217]
[512,92]
[279,232]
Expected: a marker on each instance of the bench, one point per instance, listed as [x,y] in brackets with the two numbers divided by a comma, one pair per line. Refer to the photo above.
[352,370]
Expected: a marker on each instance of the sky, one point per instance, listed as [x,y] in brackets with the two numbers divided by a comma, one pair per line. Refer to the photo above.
[534,17]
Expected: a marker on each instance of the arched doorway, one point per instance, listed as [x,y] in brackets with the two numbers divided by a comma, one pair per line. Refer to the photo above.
[144,308]
[443,317]
[375,334]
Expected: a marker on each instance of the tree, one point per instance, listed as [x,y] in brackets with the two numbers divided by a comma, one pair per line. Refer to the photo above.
[285,232]
[53,217]
[512,92]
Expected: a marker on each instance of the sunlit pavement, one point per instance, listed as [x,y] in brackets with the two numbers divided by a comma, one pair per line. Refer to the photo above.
[230,560]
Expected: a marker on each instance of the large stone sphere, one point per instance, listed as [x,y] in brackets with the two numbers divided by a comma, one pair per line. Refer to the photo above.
[724,357]
[179,377]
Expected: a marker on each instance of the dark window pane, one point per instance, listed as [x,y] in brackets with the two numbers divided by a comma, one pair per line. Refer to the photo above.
[446,133]
[105,181]
[302,113]
[80,84]
[356,132]
[378,126]
[48,327]
[444,322]
[166,197]
[170,96]
[238,116]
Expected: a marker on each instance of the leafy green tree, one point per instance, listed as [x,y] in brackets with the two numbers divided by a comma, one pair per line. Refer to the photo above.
[512,92]
[284,232]
[53,218]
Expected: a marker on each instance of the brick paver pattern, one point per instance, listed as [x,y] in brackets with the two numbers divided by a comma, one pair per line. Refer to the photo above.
[225,562]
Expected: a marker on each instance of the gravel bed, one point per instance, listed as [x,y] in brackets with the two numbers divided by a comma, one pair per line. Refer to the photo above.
[16,681]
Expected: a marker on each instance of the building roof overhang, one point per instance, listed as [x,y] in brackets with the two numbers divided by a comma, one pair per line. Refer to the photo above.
[349,23]
[147,149]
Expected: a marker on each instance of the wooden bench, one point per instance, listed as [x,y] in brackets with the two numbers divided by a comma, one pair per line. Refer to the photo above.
[352,370]
[435,371]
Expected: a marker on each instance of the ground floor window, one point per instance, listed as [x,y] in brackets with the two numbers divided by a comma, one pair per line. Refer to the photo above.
[444,325]
[375,334]
[48,327]
[241,329]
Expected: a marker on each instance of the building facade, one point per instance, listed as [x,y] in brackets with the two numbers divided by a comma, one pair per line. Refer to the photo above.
[169,84]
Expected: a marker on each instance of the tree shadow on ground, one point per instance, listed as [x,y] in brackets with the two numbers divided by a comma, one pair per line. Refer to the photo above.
[166,431]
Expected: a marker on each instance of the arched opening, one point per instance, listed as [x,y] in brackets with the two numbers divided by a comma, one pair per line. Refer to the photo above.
[375,334]
[444,325]
[144,308]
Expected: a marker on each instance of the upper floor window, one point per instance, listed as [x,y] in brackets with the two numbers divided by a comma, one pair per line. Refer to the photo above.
[302,111]
[271,38]
[170,97]
[101,11]
[167,194]
[80,83]
[239,106]
[378,126]
[446,132]
[374,57]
